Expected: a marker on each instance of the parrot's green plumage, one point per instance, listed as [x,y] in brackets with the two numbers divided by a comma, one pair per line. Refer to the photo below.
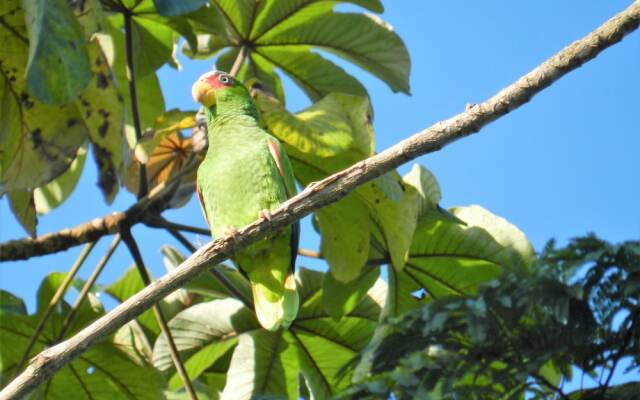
[245,173]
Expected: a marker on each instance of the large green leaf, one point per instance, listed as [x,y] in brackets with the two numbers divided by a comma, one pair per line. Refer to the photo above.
[58,67]
[37,141]
[451,259]
[283,35]
[153,44]
[263,362]
[102,110]
[315,75]
[337,222]
[40,142]
[274,12]
[341,297]
[102,372]
[362,39]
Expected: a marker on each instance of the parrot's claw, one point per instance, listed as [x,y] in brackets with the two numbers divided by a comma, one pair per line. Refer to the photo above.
[312,185]
[264,215]
[233,233]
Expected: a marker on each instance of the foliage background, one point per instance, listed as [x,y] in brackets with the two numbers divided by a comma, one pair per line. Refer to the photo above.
[564,165]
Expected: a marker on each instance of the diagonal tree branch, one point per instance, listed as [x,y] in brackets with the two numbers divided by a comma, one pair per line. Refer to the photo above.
[330,190]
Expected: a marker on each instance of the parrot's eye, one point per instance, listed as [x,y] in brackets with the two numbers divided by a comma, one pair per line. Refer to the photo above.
[224,79]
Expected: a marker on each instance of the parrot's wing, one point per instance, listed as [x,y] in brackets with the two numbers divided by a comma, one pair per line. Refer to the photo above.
[286,172]
[201,202]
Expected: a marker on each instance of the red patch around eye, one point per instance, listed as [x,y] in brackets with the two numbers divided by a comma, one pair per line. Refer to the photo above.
[213,79]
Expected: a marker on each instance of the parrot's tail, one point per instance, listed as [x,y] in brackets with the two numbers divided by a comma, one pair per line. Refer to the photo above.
[274,311]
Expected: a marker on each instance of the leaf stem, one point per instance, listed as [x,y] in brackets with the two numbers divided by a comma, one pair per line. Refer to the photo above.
[237,64]
[62,289]
[131,244]
[87,286]
[133,94]
[159,222]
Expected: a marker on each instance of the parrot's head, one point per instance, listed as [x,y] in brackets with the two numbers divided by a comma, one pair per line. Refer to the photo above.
[216,86]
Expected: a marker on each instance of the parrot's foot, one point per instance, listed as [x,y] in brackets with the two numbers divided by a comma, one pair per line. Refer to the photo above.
[312,185]
[233,233]
[264,215]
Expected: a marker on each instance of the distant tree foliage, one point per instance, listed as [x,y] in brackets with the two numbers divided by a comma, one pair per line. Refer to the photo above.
[577,310]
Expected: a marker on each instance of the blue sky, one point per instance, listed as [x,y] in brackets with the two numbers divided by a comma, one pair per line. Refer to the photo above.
[560,166]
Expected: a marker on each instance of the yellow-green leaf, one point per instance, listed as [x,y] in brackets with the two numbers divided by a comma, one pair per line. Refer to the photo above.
[24,209]
[54,193]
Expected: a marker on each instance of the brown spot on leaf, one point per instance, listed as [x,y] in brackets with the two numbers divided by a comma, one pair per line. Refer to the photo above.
[36,137]
[71,122]
[87,114]
[103,128]
[26,100]
[84,103]
[102,80]
[107,178]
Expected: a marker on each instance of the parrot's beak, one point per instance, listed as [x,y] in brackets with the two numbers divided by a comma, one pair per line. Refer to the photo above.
[203,93]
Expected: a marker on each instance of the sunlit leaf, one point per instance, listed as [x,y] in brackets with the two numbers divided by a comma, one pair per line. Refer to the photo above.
[340,298]
[265,362]
[102,109]
[24,209]
[54,193]
[451,259]
[362,39]
[315,75]
[283,35]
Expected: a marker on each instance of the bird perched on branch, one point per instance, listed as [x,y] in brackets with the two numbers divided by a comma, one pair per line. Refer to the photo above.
[246,173]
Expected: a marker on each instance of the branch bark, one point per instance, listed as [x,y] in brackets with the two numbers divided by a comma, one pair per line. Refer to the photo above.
[330,190]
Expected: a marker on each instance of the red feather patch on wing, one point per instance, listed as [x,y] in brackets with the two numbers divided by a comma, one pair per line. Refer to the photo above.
[201,202]
[275,153]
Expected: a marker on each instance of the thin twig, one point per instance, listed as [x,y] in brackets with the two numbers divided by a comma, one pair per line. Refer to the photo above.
[237,64]
[183,240]
[62,289]
[159,222]
[87,287]
[625,342]
[330,190]
[309,253]
[131,244]
[133,94]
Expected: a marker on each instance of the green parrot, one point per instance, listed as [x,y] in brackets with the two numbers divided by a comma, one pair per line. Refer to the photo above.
[246,173]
